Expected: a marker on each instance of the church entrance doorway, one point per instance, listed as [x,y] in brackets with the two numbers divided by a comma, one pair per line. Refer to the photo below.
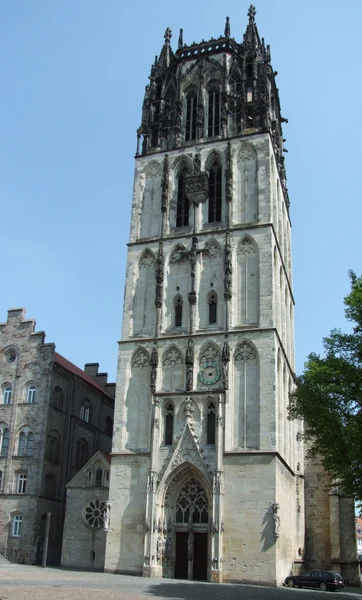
[191,527]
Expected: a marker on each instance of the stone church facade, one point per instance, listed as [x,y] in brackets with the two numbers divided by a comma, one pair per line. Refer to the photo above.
[207,472]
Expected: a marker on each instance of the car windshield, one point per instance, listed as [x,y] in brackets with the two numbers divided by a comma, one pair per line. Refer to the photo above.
[337,576]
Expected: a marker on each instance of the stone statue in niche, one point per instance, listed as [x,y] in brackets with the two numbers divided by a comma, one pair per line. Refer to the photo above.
[160,262]
[225,362]
[227,268]
[107,517]
[189,360]
[276,519]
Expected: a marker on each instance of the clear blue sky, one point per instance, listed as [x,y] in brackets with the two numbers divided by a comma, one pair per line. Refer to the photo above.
[72,78]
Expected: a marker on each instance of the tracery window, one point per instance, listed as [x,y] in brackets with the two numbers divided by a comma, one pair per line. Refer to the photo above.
[212,300]
[210,423]
[191,114]
[7,395]
[178,311]
[215,186]
[94,513]
[192,505]
[214,113]
[29,444]
[183,205]
[169,414]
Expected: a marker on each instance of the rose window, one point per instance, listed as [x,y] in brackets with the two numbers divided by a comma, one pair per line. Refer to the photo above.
[94,512]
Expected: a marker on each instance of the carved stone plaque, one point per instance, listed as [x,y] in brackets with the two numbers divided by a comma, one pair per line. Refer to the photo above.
[196,188]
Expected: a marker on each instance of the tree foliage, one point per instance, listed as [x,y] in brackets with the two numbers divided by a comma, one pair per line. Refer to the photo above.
[328,397]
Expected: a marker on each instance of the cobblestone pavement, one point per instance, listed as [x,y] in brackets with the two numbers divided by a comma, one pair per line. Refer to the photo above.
[22,582]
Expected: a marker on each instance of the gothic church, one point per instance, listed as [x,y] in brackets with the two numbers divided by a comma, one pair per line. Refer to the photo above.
[206,476]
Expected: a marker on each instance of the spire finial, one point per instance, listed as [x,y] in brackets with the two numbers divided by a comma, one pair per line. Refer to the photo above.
[168,35]
[181,38]
[227,28]
[251,12]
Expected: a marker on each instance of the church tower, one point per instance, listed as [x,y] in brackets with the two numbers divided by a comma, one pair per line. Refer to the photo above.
[207,471]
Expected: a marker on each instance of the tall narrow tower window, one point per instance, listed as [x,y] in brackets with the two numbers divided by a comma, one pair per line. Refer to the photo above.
[212,308]
[182,214]
[210,424]
[178,311]
[215,193]
[214,114]
[249,94]
[191,112]
[169,425]
[249,69]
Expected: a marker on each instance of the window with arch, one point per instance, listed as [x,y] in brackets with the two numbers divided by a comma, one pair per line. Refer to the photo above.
[53,447]
[210,423]
[30,394]
[213,124]
[246,421]
[249,94]
[82,453]
[212,301]
[215,192]
[169,418]
[183,205]
[25,443]
[21,483]
[58,397]
[191,115]
[16,525]
[50,485]
[21,443]
[4,440]
[106,477]
[248,282]
[99,477]
[85,411]
[173,369]
[192,504]
[7,394]
[178,302]
[249,68]
[108,427]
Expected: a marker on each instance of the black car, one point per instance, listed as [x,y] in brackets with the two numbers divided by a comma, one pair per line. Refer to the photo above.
[324,580]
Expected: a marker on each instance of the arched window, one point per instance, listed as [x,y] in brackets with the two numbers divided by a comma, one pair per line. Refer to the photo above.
[183,205]
[16,524]
[58,398]
[29,444]
[21,443]
[108,428]
[212,300]
[178,311]
[82,453]
[7,394]
[249,94]
[99,475]
[169,413]
[215,185]
[249,68]
[192,502]
[214,113]
[191,113]
[210,423]
[85,411]
[248,283]
[106,477]
[30,394]
[50,485]
[4,441]
[20,483]
[246,418]
[53,447]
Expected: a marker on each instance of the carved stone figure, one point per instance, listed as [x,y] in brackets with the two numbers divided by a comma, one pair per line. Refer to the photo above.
[159,275]
[165,184]
[276,520]
[189,360]
[225,363]
[228,175]
[107,517]
[227,268]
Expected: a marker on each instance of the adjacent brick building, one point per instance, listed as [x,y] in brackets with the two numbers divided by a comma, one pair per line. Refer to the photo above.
[53,417]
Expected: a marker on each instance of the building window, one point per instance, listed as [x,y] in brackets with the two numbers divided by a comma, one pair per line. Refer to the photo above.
[191,113]
[169,425]
[183,205]
[214,114]
[53,447]
[29,445]
[106,476]
[99,476]
[21,443]
[4,442]
[82,453]
[21,483]
[215,184]
[192,504]
[210,424]
[58,398]
[212,308]
[249,94]
[7,395]
[249,69]
[16,525]
[178,311]
[108,429]
[85,411]
[30,394]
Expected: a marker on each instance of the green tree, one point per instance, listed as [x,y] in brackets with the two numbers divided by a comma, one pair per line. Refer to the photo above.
[328,397]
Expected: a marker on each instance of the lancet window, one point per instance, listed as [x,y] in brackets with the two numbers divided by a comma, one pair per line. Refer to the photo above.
[191,114]
[215,186]
[214,113]
[212,300]
[169,416]
[210,423]
[178,311]
[183,205]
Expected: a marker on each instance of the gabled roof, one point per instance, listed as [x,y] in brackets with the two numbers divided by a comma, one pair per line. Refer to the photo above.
[69,366]
[80,479]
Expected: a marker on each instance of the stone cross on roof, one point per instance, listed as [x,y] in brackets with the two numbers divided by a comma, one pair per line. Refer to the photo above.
[168,34]
[251,12]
